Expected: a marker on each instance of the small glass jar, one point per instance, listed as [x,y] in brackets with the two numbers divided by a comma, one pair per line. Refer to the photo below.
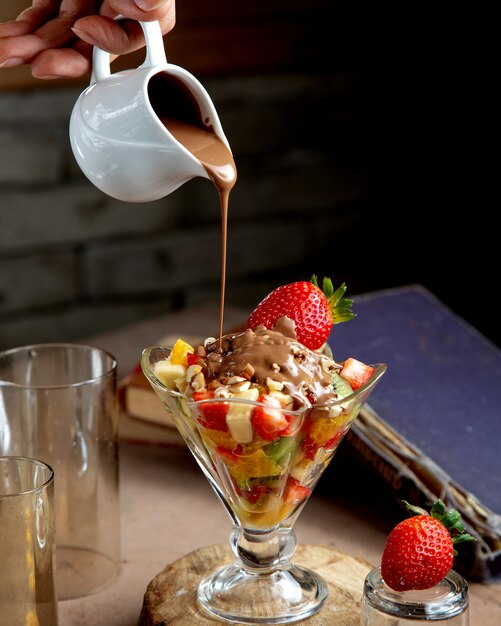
[446,602]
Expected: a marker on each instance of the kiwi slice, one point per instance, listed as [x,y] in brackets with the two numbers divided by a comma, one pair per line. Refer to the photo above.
[341,386]
[280,449]
[267,481]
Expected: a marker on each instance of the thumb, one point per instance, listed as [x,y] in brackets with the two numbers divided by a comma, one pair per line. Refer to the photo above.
[136,9]
[149,5]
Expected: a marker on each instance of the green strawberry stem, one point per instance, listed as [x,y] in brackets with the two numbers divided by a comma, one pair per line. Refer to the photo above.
[339,306]
[450,519]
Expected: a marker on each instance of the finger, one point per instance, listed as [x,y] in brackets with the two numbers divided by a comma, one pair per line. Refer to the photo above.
[31,18]
[115,37]
[60,63]
[14,29]
[144,10]
[109,35]
[57,32]
[22,48]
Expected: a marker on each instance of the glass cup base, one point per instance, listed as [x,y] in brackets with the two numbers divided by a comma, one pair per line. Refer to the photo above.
[446,602]
[81,571]
[283,596]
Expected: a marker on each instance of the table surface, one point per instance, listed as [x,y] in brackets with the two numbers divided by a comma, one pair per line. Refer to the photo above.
[169,510]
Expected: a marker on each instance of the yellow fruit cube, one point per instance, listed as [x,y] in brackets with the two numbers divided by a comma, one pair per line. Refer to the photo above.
[179,352]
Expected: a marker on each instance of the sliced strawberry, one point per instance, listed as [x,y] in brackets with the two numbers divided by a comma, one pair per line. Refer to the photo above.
[356,372]
[333,443]
[211,414]
[295,491]
[291,427]
[194,359]
[228,455]
[254,494]
[311,447]
[269,421]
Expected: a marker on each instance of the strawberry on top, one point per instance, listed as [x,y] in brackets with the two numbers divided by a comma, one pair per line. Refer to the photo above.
[312,310]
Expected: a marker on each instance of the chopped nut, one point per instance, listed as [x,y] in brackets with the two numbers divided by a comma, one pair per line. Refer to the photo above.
[327,366]
[209,340]
[198,382]
[214,384]
[180,384]
[335,410]
[239,387]
[236,379]
[248,371]
[274,385]
[345,407]
[275,367]
[285,400]
[298,353]
[192,371]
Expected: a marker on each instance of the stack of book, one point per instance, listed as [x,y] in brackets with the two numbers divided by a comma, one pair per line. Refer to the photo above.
[433,427]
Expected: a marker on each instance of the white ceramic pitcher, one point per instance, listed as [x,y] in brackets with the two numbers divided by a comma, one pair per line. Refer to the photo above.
[117,137]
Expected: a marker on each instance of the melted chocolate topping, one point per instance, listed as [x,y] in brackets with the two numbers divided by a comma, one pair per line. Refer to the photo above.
[275,354]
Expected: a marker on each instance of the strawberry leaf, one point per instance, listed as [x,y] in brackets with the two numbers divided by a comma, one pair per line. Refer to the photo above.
[414,510]
[328,287]
[451,518]
[438,510]
[340,307]
[457,527]
[463,537]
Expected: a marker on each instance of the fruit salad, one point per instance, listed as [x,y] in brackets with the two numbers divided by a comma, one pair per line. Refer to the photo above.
[270,403]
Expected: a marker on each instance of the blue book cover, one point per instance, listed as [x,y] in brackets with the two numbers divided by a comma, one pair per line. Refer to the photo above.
[441,395]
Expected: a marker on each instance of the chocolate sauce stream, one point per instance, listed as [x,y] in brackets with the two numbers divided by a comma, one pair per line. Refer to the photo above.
[223,199]
[178,110]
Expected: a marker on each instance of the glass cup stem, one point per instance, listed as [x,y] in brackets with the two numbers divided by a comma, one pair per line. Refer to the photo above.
[281,592]
[263,550]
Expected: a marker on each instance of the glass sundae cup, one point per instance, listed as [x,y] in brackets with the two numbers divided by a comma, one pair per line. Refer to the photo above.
[263,485]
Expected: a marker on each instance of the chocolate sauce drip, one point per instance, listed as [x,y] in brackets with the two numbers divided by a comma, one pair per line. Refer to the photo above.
[178,110]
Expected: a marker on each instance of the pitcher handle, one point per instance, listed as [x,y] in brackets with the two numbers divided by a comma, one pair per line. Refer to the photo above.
[155,52]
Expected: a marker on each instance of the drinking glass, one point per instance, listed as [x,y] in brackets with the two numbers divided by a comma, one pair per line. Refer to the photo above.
[58,403]
[264,488]
[445,603]
[27,589]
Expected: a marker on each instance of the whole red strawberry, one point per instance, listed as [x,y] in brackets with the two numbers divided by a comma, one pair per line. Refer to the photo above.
[312,309]
[420,550]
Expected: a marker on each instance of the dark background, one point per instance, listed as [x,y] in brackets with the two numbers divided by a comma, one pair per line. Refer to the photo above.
[401,112]
[362,137]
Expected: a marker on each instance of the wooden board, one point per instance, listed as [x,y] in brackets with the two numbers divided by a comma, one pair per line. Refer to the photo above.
[170,599]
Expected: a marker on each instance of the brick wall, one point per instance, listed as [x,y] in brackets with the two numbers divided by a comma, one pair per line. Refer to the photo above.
[74,261]
[357,153]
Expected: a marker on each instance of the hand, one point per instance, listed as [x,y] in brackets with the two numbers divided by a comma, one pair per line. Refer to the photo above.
[56,36]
